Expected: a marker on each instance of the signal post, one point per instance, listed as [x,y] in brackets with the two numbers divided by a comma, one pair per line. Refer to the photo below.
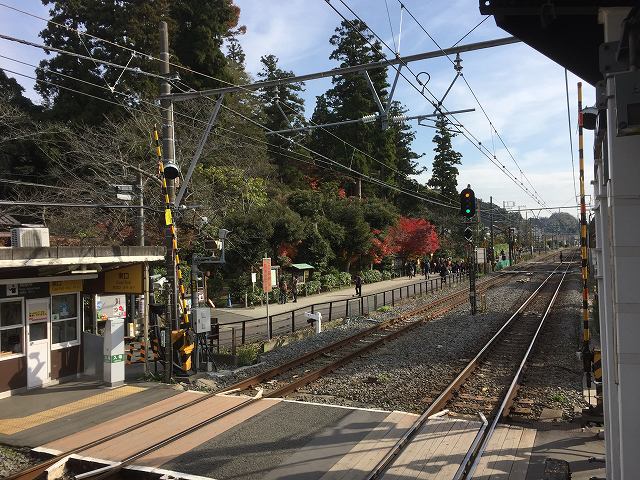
[468,211]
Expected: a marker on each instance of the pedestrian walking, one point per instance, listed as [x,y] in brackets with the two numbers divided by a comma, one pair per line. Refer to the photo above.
[358,283]
[426,270]
[443,272]
[294,288]
[283,290]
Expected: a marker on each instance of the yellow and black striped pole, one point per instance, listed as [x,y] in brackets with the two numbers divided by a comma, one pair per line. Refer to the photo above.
[168,219]
[586,352]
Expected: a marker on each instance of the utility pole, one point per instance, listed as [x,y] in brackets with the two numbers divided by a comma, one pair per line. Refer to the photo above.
[168,157]
[493,260]
[145,275]
[168,145]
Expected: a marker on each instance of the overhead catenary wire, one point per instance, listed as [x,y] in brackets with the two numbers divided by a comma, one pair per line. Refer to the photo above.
[472,30]
[573,165]
[423,87]
[324,158]
[475,97]
[142,72]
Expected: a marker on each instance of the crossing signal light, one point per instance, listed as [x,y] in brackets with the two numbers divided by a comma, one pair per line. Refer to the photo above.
[467,203]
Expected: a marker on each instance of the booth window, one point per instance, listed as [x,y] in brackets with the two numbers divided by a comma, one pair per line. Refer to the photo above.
[64,319]
[11,328]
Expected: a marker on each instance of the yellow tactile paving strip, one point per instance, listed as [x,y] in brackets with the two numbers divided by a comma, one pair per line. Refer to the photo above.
[11,426]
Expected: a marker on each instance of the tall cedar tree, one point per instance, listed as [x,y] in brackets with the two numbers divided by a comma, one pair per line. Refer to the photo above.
[196,32]
[283,108]
[444,174]
[351,98]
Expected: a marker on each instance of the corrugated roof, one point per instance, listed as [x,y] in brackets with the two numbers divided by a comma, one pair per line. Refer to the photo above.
[302,266]
[6,219]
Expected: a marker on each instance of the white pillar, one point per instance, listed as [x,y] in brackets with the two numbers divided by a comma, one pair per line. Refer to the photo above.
[605,306]
[114,352]
[624,237]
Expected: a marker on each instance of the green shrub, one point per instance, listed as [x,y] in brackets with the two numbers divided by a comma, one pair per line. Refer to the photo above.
[311,287]
[344,278]
[329,281]
[247,354]
[384,309]
[387,275]
[371,276]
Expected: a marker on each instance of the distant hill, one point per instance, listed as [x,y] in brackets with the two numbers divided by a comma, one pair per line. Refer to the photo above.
[558,223]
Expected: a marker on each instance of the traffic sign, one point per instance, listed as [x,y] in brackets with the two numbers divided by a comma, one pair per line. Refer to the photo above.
[468,234]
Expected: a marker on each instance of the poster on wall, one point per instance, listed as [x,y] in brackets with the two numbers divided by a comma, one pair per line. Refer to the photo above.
[110,306]
[38,310]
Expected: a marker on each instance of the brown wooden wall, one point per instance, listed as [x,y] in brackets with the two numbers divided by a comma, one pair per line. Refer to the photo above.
[13,374]
[66,361]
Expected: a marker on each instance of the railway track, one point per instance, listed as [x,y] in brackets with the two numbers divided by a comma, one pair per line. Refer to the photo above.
[500,363]
[281,380]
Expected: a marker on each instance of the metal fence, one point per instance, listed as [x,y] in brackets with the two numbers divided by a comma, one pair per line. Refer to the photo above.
[255,329]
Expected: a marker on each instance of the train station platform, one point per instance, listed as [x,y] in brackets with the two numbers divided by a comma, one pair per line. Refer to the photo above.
[271,439]
[46,414]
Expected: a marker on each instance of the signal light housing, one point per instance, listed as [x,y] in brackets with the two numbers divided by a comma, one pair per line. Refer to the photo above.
[467,203]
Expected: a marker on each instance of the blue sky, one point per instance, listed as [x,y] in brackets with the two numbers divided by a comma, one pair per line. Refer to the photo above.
[522,91]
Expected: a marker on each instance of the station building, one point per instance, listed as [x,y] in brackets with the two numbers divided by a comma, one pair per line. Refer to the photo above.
[54,300]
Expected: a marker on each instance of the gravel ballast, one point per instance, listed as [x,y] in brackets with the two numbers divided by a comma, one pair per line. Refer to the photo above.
[14,459]
[553,379]
[297,348]
[406,373]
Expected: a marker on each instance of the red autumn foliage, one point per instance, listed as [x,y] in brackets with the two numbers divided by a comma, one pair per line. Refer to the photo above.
[287,250]
[342,193]
[380,248]
[412,237]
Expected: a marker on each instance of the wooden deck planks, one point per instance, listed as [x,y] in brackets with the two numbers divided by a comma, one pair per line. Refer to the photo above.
[406,463]
[111,426]
[507,454]
[484,470]
[458,451]
[369,451]
[438,448]
[523,455]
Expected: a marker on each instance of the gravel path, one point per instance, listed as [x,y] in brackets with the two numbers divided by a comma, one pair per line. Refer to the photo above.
[553,379]
[14,459]
[407,373]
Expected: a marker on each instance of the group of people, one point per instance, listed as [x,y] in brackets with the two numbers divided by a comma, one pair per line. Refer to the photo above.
[284,289]
[440,266]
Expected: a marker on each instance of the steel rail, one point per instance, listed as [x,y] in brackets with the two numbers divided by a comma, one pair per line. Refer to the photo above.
[509,396]
[34,472]
[448,392]
[109,471]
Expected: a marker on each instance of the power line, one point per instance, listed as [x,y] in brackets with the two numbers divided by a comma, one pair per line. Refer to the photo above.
[78,55]
[471,31]
[183,68]
[475,97]
[481,148]
[573,166]
[137,70]
[327,159]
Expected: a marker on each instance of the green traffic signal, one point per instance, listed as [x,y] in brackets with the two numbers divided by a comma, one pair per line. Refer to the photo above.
[467,203]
